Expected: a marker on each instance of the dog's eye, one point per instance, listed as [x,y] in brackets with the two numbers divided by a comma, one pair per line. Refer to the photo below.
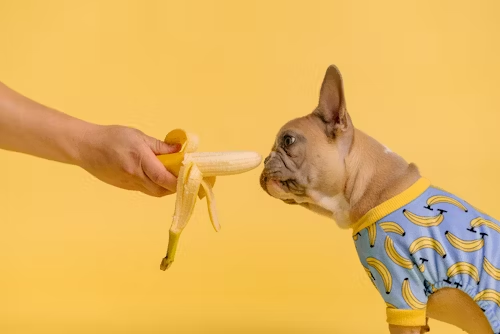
[289,140]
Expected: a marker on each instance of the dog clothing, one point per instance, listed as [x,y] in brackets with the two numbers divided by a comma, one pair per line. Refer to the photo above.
[425,239]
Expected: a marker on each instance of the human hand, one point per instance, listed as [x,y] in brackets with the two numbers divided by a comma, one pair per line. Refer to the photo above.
[126,158]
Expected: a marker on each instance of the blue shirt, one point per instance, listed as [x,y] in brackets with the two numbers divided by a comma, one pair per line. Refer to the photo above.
[425,239]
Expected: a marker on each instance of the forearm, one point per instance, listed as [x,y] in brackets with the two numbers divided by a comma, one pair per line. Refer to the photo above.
[31,128]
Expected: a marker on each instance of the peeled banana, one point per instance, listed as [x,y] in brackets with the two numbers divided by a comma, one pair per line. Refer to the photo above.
[196,173]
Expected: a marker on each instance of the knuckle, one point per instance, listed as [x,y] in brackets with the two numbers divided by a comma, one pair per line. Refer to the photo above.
[128,169]
[158,192]
[158,177]
[135,156]
[157,145]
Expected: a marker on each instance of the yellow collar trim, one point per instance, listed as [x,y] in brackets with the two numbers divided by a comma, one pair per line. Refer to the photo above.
[385,208]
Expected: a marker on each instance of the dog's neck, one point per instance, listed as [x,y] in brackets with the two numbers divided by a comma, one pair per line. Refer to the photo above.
[374,175]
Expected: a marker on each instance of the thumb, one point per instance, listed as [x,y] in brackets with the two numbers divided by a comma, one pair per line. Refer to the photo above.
[160,147]
[157,173]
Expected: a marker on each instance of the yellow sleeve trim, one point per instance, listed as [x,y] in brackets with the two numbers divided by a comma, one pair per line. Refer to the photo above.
[391,205]
[406,317]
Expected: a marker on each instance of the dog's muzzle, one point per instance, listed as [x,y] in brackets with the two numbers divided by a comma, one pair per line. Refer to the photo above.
[273,170]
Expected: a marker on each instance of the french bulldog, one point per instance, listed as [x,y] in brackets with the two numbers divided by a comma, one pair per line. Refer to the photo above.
[323,163]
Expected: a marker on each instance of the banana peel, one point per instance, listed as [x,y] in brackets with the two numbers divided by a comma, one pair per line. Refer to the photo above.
[173,161]
[196,174]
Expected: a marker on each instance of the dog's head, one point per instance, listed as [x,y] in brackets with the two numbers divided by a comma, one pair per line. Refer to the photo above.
[307,161]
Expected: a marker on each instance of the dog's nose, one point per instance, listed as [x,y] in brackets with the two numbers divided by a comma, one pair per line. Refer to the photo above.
[266,160]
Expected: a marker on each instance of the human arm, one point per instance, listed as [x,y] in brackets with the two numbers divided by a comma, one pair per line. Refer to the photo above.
[118,155]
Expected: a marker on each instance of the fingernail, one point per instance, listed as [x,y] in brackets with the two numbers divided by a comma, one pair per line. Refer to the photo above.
[176,146]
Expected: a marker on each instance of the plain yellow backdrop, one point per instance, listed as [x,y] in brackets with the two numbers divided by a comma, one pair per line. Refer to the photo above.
[79,256]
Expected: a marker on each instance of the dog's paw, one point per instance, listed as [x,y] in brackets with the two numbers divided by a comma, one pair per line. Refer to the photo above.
[426,328]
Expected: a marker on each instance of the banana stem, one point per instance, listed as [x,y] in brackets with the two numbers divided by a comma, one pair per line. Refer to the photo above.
[173,241]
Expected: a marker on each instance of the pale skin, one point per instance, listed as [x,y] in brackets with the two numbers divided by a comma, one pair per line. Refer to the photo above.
[326,165]
[120,156]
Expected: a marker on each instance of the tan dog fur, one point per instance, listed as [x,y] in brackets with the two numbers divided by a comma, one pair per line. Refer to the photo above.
[323,163]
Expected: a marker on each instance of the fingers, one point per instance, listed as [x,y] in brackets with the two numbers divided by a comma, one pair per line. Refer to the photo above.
[160,147]
[158,174]
[151,189]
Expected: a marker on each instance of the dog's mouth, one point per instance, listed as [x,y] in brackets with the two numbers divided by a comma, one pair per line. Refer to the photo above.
[290,201]
[284,190]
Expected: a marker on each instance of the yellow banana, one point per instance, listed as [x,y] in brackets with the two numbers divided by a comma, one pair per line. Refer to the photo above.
[196,174]
[429,286]
[464,245]
[463,268]
[427,242]
[491,269]
[392,227]
[383,271]
[409,297]
[421,267]
[372,234]
[368,272]
[370,275]
[188,184]
[212,210]
[445,199]
[476,222]
[422,220]
[488,295]
[395,256]
[389,305]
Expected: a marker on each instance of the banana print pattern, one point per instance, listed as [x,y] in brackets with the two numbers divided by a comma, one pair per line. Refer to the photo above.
[488,295]
[491,269]
[429,287]
[409,297]
[392,227]
[445,199]
[427,242]
[370,276]
[395,256]
[436,240]
[424,221]
[463,268]
[479,221]
[372,234]
[464,245]
[389,305]
[383,272]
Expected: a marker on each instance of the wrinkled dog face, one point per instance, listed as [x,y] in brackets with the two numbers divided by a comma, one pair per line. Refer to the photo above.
[306,164]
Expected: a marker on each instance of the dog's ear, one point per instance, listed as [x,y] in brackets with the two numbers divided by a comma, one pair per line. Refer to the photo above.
[332,108]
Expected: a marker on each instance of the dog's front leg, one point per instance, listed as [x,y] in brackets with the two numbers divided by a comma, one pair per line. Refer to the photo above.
[410,330]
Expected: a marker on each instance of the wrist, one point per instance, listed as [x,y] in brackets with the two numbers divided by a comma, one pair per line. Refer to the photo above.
[81,134]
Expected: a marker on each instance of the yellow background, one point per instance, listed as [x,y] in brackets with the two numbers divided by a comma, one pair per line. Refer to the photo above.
[79,256]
